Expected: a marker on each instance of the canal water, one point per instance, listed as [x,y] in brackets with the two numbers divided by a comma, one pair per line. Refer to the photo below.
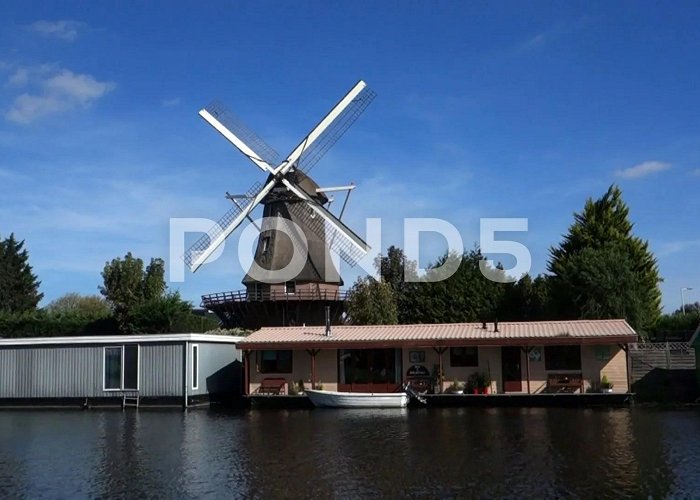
[429,453]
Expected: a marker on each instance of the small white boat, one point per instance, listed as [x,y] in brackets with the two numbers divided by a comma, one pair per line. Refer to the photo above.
[332,399]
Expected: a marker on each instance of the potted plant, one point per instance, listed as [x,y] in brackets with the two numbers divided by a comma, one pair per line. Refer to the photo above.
[473,383]
[605,384]
[484,382]
[455,387]
[292,391]
[300,386]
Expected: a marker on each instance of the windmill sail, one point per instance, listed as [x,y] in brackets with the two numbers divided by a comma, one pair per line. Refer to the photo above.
[210,241]
[335,131]
[217,112]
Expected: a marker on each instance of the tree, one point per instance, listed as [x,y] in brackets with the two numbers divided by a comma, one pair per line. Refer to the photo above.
[371,302]
[19,288]
[601,283]
[89,306]
[526,300]
[688,308]
[401,275]
[601,269]
[128,287]
[162,314]
[465,296]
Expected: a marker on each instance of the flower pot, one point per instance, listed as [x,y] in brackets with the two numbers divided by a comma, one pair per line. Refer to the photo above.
[484,390]
[607,390]
[475,391]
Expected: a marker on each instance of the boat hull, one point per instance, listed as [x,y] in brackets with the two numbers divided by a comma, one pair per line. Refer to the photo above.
[331,399]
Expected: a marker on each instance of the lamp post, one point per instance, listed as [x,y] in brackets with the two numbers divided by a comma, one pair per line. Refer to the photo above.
[683,297]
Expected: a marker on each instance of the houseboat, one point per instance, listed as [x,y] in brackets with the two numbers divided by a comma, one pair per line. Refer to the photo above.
[119,370]
[537,357]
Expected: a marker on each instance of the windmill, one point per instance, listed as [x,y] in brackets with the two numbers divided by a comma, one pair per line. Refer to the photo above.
[296,218]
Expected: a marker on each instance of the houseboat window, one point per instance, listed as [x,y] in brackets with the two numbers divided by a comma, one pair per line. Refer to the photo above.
[195,366]
[290,287]
[464,356]
[365,366]
[276,361]
[121,368]
[562,357]
[113,367]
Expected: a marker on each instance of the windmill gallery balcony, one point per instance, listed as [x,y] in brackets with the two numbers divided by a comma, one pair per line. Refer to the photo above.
[276,307]
[214,299]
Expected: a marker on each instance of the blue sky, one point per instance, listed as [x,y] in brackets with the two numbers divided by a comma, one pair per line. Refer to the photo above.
[500,109]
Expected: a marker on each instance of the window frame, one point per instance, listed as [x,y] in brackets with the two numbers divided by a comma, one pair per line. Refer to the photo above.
[457,365]
[277,351]
[122,365]
[194,366]
[549,368]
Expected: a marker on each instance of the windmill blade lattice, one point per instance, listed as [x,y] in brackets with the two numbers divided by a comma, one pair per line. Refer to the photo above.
[264,151]
[204,242]
[330,136]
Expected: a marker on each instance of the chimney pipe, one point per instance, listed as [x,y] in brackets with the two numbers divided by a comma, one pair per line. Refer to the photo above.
[328,321]
[495,326]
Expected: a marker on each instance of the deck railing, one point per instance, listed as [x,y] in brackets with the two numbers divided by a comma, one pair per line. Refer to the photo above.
[277,295]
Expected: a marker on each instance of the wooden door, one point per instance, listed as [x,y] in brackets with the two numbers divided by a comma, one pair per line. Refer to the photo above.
[510,368]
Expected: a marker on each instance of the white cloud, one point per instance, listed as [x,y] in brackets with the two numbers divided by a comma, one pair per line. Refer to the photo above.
[169,103]
[19,78]
[63,30]
[62,91]
[673,247]
[643,169]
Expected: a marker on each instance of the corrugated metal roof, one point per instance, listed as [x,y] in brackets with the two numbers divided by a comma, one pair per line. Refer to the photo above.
[121,339]
[449,332]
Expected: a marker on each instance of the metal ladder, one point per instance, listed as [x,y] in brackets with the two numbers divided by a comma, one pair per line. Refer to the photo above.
[130,401]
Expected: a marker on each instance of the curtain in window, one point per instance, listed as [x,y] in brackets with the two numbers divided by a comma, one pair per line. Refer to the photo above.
[113,367]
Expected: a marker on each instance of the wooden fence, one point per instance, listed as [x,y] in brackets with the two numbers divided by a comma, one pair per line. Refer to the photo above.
[663,371]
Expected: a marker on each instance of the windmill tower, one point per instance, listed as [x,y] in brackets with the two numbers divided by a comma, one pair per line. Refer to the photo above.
[292,280]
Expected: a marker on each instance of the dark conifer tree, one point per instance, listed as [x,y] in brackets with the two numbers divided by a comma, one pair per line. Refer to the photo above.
[19,287]
[601,270]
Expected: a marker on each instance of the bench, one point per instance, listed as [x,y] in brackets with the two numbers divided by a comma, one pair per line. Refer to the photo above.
[565,382]
[272,386]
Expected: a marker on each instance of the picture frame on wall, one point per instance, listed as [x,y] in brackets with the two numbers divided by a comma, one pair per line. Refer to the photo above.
[416,356]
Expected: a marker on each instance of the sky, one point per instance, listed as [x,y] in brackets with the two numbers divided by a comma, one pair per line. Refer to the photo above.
[483,109]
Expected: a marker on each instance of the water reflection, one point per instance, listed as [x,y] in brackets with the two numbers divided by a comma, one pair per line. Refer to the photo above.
[472,452]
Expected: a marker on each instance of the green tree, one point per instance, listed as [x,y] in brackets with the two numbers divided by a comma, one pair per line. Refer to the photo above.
[89,306]
[371,302]
[130,289]
[601,283]
[677,324]
[162,314]
[526,300]
[401,275]
[19,287]
[466,296]
[601,270]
